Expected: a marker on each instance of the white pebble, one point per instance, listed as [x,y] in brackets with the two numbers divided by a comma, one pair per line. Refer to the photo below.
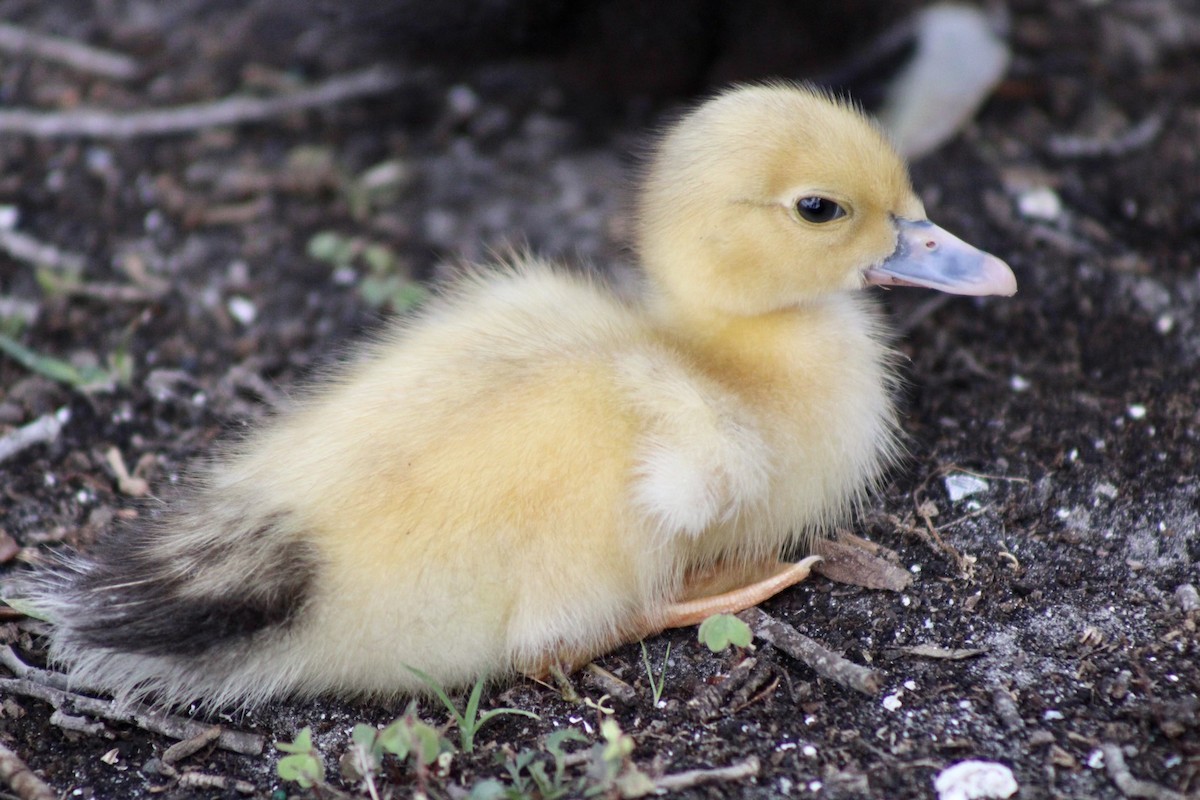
[1136,411]
[1018,383]
[960,485]
[892,702]
[975,780]
[242,309]
[1040,203]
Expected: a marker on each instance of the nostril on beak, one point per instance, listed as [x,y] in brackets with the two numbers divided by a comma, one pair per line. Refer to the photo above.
[930,244]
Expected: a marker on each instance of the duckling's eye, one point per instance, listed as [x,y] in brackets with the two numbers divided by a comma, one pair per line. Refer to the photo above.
[818,209]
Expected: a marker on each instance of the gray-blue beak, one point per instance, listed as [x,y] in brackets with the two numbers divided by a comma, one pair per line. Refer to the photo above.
[929,256]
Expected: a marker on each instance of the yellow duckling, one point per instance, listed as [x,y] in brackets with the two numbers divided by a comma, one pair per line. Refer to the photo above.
[532,470]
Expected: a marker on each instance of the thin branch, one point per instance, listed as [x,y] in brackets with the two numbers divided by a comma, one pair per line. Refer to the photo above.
[205,780]
[21,779]
[166,724]
[1122,778]
[17,41]
[823,661]
[82,725]
[24,247]
[237,110]
[181,750]
[42,430]
[695,777]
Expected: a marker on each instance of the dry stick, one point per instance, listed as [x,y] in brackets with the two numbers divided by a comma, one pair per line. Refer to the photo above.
[249,744]
[710,700]
[686,780]
[81,57]
[1122,778]
[55,680]
[24,247]
[181,750]
[82,725]
[21,779]
[43,429]
[824,662]
[204,780]
[100,124]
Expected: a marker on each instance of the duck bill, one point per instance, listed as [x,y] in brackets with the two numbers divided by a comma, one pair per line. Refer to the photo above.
[928,256]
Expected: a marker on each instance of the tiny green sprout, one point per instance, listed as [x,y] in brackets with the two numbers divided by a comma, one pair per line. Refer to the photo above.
[84,379]
[721,630]
[469,720]
[303,765]
[656,686]
[331,247]
[618,745]
[408,735]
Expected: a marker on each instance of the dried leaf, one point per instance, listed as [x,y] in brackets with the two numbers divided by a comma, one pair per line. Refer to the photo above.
[846,563]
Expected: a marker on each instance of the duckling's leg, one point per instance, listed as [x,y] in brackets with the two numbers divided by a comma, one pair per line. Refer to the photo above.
[678,615]
[693,612]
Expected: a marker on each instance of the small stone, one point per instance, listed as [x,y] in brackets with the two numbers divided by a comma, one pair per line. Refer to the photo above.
[1188,598]
[242,309]
[960,485]
[1040,203]
[975,780]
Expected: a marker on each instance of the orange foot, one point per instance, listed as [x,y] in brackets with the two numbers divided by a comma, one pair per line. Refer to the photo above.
[686,612]
[693,612]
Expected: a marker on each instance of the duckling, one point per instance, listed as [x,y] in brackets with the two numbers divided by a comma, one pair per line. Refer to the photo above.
[531,470]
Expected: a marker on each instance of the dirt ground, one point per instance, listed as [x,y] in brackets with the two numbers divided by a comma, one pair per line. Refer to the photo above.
[202,298]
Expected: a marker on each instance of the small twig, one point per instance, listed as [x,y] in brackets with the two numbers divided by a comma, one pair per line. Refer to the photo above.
[695,777]
[21,779]
[84,58]
[204,780]
[979,512]
[821,660]
[1122,778]
[710,700]
[181,750]
[44,429]
[1006,709]
[102,124]
[135,714]
[611,684]
[1134,138]
[82,725]
[24,247]
[13,663]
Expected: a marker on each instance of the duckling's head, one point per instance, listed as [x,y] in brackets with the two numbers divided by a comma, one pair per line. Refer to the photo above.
[768,197]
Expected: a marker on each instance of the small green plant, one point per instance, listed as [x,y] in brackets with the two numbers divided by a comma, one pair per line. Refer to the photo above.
[406,737]
[612,765]
[386,283]
[469,720]
[656,686]
[303,764]
[84,379]
[721,630]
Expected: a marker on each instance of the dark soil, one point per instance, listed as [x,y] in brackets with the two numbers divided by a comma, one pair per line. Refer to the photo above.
[1079,398]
